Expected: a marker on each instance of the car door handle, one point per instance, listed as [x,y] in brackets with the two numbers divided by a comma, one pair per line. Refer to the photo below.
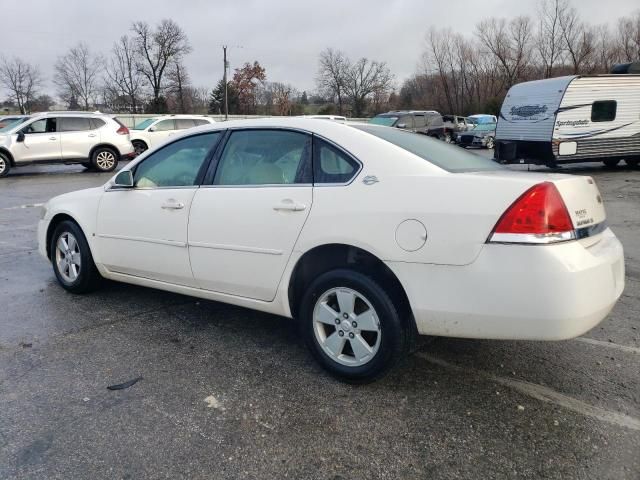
[172,206]
[91,135]
[290,205]
[53,138]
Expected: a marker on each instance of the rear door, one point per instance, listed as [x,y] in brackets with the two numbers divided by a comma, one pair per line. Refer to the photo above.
[244,224]
[77,137]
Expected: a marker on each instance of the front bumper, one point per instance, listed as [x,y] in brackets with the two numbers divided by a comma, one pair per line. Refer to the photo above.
[467,141]
[519,292]
[43,225]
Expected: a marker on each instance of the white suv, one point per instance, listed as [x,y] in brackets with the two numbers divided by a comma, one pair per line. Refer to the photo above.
[94,140]
[154,131]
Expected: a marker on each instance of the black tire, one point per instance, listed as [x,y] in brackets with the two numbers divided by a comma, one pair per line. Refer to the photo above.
[490,143]
[104,159]
[395,334]
[88,278]
[611,163]
[139,147]
[87,165]
[446,138]
[5,165]
[632,162]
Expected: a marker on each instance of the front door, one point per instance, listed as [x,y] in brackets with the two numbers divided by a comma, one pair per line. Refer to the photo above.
[243,226]
[142,231]
[160,132]
[41,142]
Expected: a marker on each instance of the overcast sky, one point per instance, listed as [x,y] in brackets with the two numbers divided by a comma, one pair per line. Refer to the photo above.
[285,36]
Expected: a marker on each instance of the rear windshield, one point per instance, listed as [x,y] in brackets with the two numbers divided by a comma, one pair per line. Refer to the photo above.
[448,157]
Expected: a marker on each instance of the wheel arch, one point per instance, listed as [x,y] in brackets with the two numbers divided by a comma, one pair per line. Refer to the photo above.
[57,219]
[6,152]
[324,258]
[104,145]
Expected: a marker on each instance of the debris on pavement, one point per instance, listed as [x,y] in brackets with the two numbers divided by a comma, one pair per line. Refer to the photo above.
[122,386]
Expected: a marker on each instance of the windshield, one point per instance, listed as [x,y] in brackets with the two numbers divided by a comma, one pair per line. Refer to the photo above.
[11,124]
[483,119]
[448,157]
[384,121]
[486,127]
[145,124]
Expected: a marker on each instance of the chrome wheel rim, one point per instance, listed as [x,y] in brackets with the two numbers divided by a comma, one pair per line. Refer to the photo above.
[347,327]
[490,143]
[3,165]
[68,259]
[105,160]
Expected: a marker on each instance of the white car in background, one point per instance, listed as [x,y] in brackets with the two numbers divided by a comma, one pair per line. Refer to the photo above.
[363,233]
[154,131]
[94,140]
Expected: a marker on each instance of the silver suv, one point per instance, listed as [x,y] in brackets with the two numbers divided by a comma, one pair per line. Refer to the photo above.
[94,140]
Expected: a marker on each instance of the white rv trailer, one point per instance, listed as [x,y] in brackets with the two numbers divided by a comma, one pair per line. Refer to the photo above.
[571,119]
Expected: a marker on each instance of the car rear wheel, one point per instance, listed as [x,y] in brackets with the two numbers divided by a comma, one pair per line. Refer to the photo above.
[631,162]
[352,326]
[5,165]
[104,159]
[611,163]
[72,260]
[489,143]
[139,147]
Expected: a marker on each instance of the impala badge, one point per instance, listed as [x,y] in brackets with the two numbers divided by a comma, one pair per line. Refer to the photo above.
[370,180]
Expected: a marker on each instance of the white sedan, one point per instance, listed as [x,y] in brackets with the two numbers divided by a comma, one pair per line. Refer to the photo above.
[367,235]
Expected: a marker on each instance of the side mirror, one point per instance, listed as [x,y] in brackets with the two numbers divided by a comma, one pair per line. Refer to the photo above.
[402,125]
[20,137]
[152,129]
[124,179]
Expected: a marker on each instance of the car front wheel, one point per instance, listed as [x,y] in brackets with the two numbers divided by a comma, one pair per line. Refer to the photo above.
[104,159]
[139,147]
[352,326]
[489,143]
[72,260]
[5,165]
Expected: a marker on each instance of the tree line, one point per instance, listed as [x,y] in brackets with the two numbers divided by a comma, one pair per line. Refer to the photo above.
[145,72]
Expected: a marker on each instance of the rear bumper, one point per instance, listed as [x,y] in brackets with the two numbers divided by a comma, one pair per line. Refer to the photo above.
[518,292]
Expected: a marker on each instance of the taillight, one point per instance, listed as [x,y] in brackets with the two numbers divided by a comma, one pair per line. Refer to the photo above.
[539,215]
[122,130]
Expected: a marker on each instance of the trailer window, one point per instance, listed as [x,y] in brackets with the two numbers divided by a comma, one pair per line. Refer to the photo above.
[603,111]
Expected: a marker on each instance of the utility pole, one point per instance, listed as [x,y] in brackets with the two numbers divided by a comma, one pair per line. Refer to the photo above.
[226,97]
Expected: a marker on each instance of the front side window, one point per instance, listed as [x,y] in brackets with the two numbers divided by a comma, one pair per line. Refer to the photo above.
[164,125]
[74,124]
[604,111]
[44,125]
[331,165]
[265,157]
[405,122]
[176,165]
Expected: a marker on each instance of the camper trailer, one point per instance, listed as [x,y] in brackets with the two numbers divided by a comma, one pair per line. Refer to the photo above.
[571,119]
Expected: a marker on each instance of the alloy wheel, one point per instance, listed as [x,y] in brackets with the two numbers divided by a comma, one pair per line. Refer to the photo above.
[68,258]
[347,326]
[105,160]
[3,165]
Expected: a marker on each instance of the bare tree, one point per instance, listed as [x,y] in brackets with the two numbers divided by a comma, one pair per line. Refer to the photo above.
[22,80]
[157,50]
[549,39]
[510,44]
[629,37]
[123,77]
[579,40]
[363,79]
[179,85]
[332,74]
[77,74]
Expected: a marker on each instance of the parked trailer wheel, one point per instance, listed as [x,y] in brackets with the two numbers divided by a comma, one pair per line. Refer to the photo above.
[611,163]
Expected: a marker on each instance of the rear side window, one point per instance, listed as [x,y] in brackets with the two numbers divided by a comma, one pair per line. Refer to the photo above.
[182,123]
[331,165]
[421,121]
[199,122]
[448,157]
[407,121]
[74,124]
[604,111]
[97,123]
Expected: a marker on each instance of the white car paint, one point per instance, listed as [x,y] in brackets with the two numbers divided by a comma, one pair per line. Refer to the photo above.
[232,244]
[160,130]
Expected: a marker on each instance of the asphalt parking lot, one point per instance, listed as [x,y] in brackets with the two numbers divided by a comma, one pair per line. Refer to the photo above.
[231,393]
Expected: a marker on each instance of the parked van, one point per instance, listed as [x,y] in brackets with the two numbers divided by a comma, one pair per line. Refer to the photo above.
[571,119]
